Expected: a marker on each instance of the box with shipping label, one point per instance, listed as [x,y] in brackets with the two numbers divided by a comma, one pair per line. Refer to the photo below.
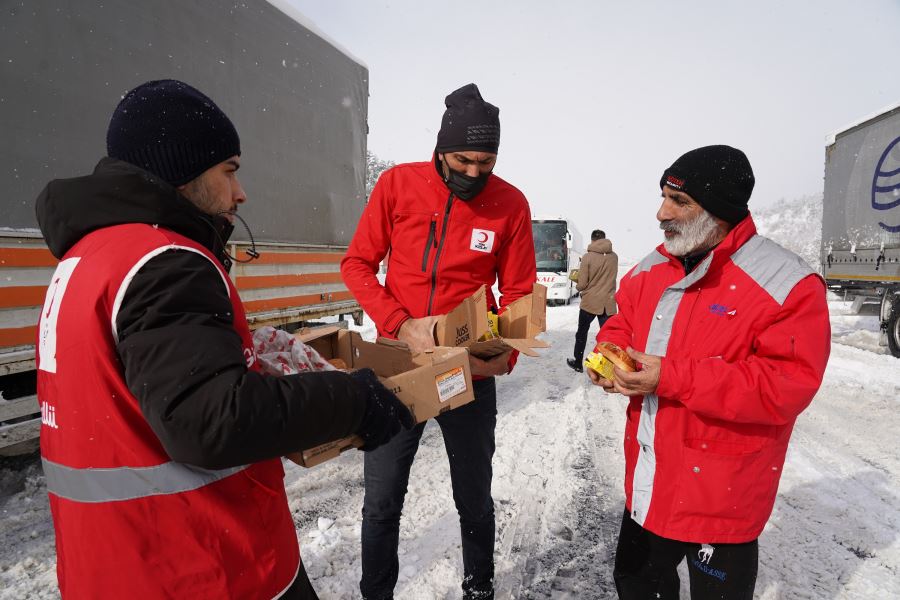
[467,325]
[428,383]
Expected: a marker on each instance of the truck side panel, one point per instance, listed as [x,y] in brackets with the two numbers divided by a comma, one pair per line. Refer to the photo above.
[298,102]
[861,203]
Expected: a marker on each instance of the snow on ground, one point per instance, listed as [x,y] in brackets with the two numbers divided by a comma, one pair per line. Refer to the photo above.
[558,476]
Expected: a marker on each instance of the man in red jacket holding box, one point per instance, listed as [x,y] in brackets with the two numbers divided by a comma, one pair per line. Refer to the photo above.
[735,336]
[451,226]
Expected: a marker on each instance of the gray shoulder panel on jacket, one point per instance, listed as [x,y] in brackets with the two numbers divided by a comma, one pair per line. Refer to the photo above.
[774,268]
[648,262]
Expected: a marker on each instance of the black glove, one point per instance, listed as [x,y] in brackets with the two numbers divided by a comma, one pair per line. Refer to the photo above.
[384,415]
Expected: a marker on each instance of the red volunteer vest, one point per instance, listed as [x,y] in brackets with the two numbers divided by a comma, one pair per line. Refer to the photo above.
[130,522]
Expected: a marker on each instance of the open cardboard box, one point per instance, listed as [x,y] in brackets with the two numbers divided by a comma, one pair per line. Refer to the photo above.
[428,383]
[519,325]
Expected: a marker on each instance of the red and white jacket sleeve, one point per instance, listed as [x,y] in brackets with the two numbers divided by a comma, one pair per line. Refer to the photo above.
[369,246]
[776,382]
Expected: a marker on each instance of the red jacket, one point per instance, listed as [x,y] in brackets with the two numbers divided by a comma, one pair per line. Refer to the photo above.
[745,338]
[442,249]
[129,521]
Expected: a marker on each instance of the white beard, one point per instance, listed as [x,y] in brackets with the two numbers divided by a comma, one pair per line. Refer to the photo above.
[693,236]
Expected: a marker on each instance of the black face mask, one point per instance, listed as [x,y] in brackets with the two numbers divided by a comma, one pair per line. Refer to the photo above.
[463,186]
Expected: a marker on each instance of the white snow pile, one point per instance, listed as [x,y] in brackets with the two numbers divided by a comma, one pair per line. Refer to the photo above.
[558,471]
[795,224]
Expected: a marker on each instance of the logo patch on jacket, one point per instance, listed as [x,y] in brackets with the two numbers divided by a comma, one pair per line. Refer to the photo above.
[482,240]
[722,310]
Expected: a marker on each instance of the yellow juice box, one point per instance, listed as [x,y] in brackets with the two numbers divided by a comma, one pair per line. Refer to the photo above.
[600,364]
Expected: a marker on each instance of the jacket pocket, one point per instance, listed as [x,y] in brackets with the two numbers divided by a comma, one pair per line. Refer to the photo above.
[428,243]
[725,481]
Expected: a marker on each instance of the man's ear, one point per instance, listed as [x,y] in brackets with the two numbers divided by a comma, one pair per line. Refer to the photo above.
[445,168]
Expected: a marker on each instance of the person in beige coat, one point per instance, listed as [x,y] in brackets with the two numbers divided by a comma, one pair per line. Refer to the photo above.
[597,284]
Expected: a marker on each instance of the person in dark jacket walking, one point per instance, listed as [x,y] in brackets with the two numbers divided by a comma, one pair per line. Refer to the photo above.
[163,458]
[451,226]
[597,285]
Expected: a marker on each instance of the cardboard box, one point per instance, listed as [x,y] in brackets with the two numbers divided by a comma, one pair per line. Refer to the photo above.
[519,325]
[428,383]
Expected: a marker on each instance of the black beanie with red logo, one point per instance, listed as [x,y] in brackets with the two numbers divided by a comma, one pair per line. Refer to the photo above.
[719,178]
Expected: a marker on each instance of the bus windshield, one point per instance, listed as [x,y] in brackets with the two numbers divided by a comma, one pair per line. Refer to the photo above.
[550,249]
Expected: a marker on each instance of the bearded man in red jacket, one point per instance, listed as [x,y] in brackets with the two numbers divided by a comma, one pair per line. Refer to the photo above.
[732,334]
[451,226]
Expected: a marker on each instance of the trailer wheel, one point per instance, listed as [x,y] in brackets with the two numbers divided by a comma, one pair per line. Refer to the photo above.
[893,327]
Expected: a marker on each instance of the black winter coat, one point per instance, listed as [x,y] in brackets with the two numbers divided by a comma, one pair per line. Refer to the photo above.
[215,414]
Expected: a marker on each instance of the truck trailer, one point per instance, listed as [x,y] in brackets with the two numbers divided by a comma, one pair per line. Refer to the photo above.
[298,101]
[860,256]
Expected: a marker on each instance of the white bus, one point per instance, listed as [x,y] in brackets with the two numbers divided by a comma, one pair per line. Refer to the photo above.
[555,240]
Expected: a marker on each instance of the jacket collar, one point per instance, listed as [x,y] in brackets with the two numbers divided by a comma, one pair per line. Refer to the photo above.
[117,193]
[721,253]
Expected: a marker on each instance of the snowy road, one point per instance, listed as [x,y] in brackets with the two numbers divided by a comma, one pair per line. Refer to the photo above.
[558,490]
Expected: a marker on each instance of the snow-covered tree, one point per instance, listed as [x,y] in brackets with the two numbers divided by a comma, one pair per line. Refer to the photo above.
[374,167]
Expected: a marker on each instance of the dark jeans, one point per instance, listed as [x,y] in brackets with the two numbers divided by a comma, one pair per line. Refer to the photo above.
[584,323]
[646,563]
[469,439]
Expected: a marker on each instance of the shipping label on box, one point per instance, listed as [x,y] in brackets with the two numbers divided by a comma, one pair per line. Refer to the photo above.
[428,383]
[450,384]
[467,325]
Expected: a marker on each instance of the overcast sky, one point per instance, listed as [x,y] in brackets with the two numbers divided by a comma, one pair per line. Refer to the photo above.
[598,98]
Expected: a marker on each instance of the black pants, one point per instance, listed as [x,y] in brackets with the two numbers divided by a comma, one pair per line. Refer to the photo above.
[646,563]
[584,324]
[301,589]
[469,439]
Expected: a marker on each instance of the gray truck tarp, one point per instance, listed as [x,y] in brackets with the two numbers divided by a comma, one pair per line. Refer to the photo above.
[298,102]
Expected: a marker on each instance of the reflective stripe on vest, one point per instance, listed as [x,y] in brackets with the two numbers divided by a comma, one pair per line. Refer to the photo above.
[128,483]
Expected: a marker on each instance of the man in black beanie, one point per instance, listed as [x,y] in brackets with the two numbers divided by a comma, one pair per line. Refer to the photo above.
[451,225]
[732,336]
[163,461]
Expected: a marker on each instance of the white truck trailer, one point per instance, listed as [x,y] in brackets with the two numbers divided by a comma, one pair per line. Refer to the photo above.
[861,217]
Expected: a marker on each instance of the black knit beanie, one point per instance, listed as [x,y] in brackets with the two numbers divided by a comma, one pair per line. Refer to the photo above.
[719,178]
[469,123]
[172,130]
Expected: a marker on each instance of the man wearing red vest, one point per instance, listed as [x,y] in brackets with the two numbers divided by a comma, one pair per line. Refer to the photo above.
[451,226]
[732,334]
[162,462]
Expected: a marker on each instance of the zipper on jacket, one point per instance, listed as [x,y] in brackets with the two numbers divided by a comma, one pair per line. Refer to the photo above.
[428,244]
[437,254]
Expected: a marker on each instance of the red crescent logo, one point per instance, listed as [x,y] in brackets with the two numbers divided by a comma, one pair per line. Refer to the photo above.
[484,237]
